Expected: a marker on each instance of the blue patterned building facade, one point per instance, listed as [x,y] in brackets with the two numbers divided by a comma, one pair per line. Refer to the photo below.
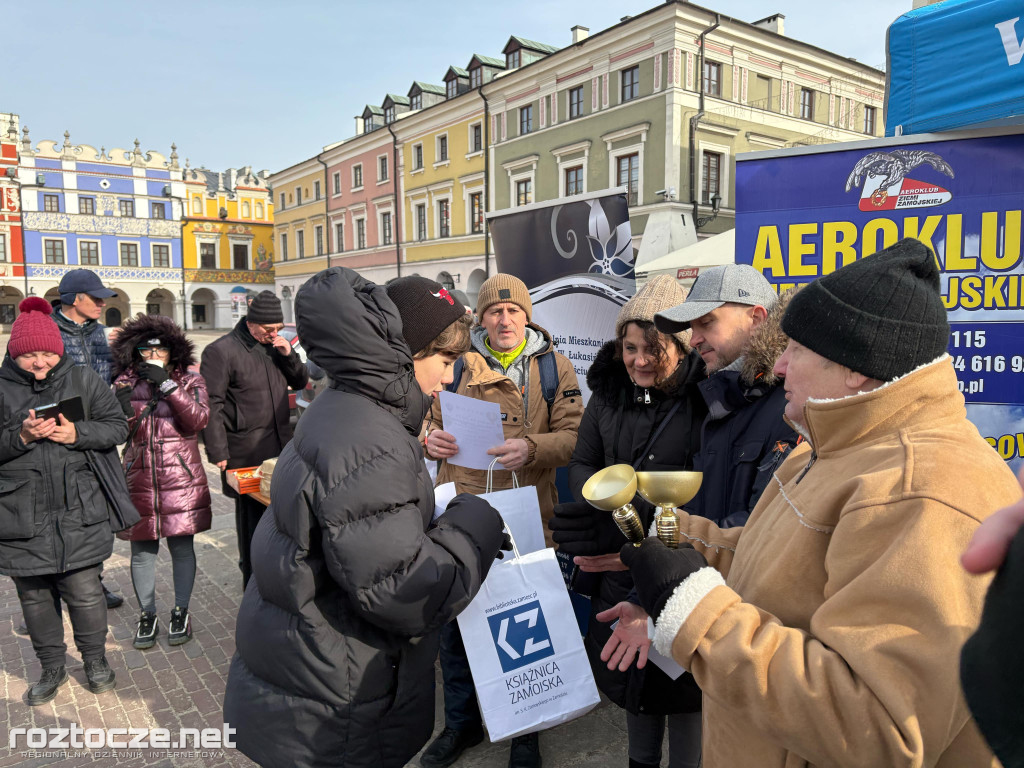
[116,212]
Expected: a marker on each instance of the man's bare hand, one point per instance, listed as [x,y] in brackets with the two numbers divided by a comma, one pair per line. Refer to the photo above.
[33,429]
[600,563]
[512,454]
[629,638]
[64,433]
[282,345]
[441,444]
[222,465]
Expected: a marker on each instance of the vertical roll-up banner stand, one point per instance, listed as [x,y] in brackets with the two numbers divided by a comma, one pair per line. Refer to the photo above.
[575,254]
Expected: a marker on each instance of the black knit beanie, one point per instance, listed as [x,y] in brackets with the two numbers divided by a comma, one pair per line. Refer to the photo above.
[265,309]
[426,309]
[881,316]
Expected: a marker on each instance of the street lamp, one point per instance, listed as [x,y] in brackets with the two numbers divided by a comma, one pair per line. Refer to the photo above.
[716,204]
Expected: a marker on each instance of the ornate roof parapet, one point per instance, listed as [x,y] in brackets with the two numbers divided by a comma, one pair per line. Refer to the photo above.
[174,157]
[66,150]
[26,144]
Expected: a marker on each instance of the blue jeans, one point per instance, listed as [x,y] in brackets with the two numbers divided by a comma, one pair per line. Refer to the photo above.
[461,710]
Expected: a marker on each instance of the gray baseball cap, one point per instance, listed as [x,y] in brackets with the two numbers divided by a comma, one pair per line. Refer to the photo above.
[736,283]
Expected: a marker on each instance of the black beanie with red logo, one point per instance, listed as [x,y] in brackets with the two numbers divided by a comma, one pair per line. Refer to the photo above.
[426,308]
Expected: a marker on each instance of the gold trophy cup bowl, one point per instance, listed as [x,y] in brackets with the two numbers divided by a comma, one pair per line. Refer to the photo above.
[612,489]
[666,491]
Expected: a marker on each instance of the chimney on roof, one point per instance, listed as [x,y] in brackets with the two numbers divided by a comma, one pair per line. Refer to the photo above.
[773,23]
[580,33]
[359,125]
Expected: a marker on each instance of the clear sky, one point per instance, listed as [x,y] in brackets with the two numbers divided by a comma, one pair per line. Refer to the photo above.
[268,84]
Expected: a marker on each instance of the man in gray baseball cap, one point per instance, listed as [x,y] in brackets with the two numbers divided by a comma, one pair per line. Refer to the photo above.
[734,318]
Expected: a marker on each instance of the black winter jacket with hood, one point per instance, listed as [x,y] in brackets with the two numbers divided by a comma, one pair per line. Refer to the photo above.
[338,630]
[53,516]
[744,438]
[617,424]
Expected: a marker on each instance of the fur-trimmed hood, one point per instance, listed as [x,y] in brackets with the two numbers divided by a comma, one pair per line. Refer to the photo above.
[766,345]
[607,375]
[140,329]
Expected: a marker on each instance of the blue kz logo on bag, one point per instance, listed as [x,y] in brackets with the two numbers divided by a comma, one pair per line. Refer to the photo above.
[520,636]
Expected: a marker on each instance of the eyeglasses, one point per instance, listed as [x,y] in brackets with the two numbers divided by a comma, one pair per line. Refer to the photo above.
[151,352]
[272,328]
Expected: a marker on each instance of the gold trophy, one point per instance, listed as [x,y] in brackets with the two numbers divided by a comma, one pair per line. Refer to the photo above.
[612,490]
[667,491]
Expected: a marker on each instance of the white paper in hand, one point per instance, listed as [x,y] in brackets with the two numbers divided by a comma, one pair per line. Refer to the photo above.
[476,427]
[443,496]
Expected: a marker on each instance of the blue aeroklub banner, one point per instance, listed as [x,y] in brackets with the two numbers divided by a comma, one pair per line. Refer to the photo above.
[805,213]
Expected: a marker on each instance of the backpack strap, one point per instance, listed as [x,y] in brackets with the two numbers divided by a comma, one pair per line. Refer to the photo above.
[548,367]
[457,368]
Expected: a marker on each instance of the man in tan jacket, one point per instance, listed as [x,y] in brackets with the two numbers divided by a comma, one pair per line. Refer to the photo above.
[827,630]
[506,365]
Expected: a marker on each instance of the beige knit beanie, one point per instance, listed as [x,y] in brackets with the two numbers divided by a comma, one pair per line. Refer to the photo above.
[502,287]
[659,293]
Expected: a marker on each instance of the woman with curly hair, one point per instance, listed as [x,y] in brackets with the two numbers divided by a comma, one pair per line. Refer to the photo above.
[167,407]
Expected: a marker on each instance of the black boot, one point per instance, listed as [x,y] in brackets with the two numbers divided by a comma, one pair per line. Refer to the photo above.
[525,752]
[449,745]
[99,675]
[46,689]
[21,629]
[637,764]
[113,600]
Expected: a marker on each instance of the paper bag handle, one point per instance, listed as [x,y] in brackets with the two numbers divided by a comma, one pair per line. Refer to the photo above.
[489,487]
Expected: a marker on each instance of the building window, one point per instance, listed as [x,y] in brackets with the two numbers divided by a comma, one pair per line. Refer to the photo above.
[628,176]
[245,209]
[512,59]
[316,190]
[421,222]
[87,205]
[157,211]
[452,89]
[869,120]
[284,247]
[197,204]
[444,223]
[526,120]
[298,195]
[357,176]
[208,255]
[574,180]
[162,256]
[3,247]
[712,78]
[129,254]
[339,237]
[198,313]
[711,174]
[300,243]
[806,103]
[476,138]
[765,87]
[417,157]
[336,180]
[240,255]
[385,228]
[524,192]
[382,168]
[442,149]
[281,206]
[416,102]
[51,203]
[476,77]
[53,251]
[630,79]
[575,101]
[318,239]
[360,233]
[127,207]
[389,114]
[88,253]
[476,212]
[259,210]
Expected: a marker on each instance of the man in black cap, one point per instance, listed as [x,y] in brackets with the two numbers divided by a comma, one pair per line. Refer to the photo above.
[826,630]
[248,372]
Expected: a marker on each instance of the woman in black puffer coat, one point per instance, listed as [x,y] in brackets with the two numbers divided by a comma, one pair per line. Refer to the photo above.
[338,630]
[642,382]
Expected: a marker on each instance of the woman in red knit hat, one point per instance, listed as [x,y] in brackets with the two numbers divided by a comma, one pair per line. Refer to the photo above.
[54,531]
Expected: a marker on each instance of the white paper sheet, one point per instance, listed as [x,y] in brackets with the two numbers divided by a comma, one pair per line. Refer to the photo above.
[476,427]
[443,495]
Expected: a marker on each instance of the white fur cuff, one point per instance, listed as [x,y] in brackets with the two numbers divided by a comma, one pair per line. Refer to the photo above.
[684,599]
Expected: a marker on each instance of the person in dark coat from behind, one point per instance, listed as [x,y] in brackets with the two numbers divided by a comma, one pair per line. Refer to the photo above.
[644,387]
[338,630]
[247,373]
[166,406]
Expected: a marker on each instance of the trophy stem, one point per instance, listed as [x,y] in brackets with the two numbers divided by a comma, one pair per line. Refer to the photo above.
[668,527]
[629,523]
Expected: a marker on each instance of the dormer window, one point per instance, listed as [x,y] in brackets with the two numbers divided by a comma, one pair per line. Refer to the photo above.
[476,77]
[389,115]
[453,88]
[417,101]
[512,59]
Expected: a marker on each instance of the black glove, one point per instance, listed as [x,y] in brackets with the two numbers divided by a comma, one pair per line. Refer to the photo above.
[156,374]
[658,570]
[480,521]
[580,529]
[124,399]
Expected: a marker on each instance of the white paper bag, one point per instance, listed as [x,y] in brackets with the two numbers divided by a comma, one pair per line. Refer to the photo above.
[520,509]
[524,648]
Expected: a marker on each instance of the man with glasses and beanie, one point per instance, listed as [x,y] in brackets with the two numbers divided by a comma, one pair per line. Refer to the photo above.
[827,630]
[248,372]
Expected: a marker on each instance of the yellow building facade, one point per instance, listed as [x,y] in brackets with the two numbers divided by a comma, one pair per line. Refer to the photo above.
[227,243]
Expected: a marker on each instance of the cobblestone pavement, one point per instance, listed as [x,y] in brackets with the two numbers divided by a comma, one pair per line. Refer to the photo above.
[183,687]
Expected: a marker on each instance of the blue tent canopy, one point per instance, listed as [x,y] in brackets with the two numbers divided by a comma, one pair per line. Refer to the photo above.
[955,64]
